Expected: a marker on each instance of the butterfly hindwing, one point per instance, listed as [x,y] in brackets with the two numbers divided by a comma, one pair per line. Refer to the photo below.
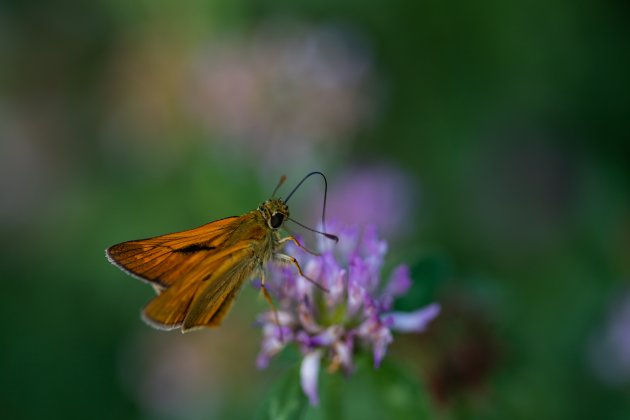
[214,298]
[171,308]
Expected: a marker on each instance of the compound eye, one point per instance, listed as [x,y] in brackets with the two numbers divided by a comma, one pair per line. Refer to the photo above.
[276,220]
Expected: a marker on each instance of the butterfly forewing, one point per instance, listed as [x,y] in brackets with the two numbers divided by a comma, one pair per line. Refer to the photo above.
[165,259]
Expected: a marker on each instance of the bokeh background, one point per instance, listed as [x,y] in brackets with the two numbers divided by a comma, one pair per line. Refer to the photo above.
[487,139]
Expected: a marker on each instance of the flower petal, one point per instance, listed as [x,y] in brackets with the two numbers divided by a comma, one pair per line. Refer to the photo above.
[307,316]
[399,281]
[273,342]
[380,340]
[284,318]
[376,334]
[356,297]
[370,243]
[397,285]
[343,351]
[359,272]
[373,250]
[327,337]
[416,321]
[309,372]
[333,278]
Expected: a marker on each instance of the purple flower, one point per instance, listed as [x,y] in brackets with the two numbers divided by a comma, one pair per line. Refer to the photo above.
[380,193]
[284,92]
[355,315]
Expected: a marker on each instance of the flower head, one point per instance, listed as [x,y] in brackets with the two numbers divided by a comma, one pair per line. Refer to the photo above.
[355,314]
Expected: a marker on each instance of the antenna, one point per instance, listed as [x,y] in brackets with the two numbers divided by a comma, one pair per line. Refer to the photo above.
[325,194]
[328,235]
[282,179]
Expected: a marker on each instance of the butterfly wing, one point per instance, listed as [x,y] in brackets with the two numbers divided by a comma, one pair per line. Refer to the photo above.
[162,260]
[215,297]
[214,282]
[197,273]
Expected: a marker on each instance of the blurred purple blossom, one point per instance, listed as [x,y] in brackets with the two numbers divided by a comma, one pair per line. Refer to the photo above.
[609,350]
[287,90]
[356,314]
[381,193]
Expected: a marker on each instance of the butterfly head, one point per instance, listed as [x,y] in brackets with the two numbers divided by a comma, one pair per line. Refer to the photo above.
[275,212]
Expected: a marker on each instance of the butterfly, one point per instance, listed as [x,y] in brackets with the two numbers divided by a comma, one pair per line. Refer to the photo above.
[198,273]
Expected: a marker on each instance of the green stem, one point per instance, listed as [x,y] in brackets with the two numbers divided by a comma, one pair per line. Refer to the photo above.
[333,401]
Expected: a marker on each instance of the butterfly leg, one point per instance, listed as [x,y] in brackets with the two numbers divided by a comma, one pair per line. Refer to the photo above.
[267,296]
[299,245]
[289,259]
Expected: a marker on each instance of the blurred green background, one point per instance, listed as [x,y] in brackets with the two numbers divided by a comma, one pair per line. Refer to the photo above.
[502,126]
